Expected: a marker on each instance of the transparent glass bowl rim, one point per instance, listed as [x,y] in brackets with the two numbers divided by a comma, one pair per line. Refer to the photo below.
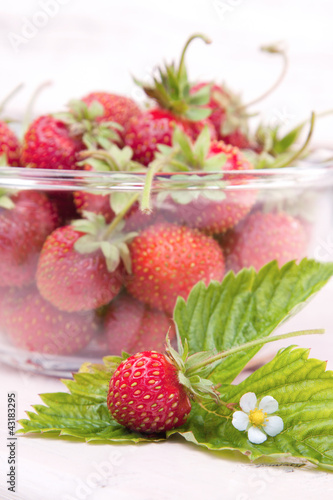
[313,175]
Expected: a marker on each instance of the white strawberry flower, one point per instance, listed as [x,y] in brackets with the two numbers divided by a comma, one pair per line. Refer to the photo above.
[254,418]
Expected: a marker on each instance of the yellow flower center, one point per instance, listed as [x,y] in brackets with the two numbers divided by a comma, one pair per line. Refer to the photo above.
[257,417]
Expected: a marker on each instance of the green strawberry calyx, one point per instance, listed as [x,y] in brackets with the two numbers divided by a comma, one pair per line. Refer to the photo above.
[185,156]
[277,151]
[110,239]
[81,120]
[171,90]
[6,194]
[190,156]
[7,98]
[194,369]
[112,159]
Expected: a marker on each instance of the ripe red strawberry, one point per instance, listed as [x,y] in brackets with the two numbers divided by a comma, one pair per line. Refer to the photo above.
[143,133]
[219,113]
[34,324]
[97,203]
[145,394]
[168,260]
[64,201]
[117,108]
[239,140]
[74,281]
[9,145]
[263,237]
[23,230]
[132,326]
[4,291]
[156,126]
[48,144]
[226,116]
[193,129]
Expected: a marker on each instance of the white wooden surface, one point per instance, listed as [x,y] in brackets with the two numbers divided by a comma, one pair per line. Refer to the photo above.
[87,45]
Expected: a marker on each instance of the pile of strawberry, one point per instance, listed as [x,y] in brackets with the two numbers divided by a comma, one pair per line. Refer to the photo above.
[88,266]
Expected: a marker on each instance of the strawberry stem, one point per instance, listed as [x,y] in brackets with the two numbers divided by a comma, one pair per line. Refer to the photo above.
[154,167]
[246,346]
[271,49]
[3,104]
[322,114]
[119,217]
[29,111]
[99,154]
[145,205]
[182,58]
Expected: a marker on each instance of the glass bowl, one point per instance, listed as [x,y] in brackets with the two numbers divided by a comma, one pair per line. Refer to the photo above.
[202,225]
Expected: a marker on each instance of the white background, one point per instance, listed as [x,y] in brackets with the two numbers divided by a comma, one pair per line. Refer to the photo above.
[96,45]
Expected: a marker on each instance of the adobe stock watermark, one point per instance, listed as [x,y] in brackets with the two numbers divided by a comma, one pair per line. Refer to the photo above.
[30,27]
[324,249]
[225,7]
[263,478]
[101,473]
[280,117]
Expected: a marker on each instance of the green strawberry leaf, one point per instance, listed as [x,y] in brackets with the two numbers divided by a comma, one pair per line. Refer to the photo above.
[245,307]
[6,202]
[82,413]
[282,145]
[179,137]
[201,96]
[197,114]
[215,162]
[301,386]
[304,392]
[202,145]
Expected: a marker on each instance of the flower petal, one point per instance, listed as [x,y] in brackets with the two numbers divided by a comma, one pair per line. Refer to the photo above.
[268,404]
[274,425]
[240,420]
[248,402]
[256,436]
